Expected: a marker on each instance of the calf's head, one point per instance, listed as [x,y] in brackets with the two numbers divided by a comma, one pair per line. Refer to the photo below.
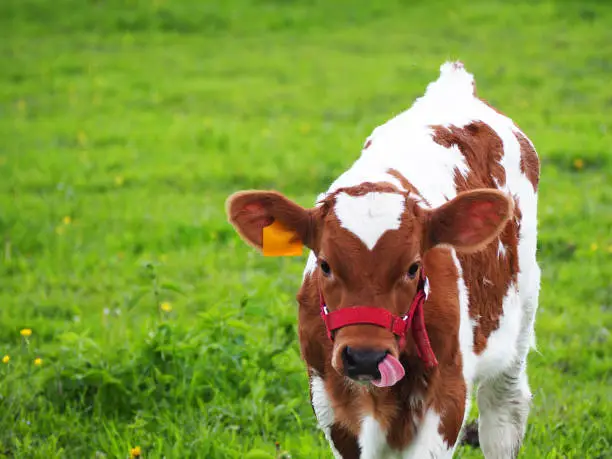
[369,242]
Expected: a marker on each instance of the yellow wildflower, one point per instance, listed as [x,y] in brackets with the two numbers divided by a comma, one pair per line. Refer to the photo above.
[578,163]
[26,332]
[6,359]
[119,180]
[166,307]
[82,138]
[38,361]
[67,220]
[305,128]
[594,247]
[135,452]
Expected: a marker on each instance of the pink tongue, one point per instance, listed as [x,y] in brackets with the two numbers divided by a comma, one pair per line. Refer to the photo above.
[391,371]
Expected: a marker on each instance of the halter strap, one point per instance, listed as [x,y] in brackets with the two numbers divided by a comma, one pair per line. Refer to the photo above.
[413,320]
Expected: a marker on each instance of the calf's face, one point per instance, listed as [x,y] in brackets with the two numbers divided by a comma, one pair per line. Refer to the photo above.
[369,241]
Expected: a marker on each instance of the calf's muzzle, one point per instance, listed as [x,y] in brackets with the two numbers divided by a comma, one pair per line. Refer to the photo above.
[362,364]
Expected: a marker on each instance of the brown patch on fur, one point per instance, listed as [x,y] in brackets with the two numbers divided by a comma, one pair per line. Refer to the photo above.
[361,190]
[488,286]
[345,442]
[450,402]
[483,151]
[406,184]
[314,344]
[530,165]
[448,391]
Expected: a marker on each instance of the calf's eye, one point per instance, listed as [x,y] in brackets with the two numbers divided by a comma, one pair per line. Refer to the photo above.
[413,270]
[325,269]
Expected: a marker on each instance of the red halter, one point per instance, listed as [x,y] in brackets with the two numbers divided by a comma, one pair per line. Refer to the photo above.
[414,319]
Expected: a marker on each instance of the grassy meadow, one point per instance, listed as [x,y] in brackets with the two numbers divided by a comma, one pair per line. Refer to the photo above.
[132,317]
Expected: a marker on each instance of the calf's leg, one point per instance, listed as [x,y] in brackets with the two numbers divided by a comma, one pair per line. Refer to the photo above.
[503,403]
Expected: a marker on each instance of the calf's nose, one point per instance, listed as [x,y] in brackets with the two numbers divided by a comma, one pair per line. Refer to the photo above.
[362,364]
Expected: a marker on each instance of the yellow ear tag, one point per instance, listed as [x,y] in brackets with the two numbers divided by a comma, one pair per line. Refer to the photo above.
[279,241]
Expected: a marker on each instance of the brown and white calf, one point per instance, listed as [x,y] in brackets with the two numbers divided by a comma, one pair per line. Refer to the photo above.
[422,280]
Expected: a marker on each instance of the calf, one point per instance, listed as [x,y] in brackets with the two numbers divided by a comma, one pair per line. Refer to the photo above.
[422,279]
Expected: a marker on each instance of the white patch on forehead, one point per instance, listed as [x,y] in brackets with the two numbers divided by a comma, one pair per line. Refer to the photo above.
[370,216]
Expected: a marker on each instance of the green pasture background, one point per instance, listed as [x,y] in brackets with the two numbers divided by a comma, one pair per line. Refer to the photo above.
[124,125]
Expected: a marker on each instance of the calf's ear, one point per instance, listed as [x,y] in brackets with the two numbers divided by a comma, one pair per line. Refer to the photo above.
[271,222]
[470,221]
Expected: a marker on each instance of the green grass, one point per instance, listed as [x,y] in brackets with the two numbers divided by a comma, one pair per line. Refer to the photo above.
[136,119]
